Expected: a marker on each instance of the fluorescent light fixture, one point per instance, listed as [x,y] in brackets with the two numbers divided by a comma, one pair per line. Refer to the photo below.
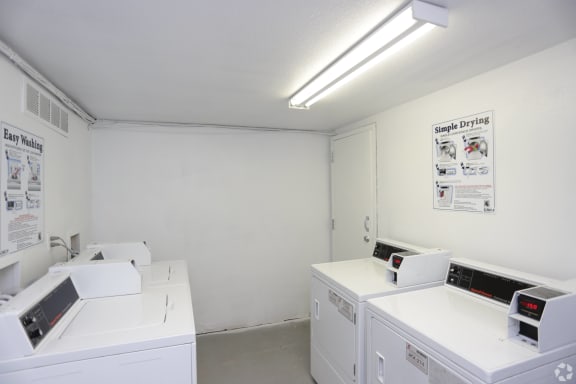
[401,29]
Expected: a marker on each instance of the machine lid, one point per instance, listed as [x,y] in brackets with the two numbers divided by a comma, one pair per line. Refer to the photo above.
[118,314]
[166,272]
[468,331]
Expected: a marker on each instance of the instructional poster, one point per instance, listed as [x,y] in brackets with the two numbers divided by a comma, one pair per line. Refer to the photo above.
[463,163]
[21,210]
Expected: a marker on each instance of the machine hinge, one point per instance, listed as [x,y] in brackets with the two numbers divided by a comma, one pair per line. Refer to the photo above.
[332,156]
[333,224]
[354,318]
[354,369]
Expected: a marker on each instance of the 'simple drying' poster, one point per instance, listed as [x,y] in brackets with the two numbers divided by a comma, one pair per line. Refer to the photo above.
[21,208]
[463,163]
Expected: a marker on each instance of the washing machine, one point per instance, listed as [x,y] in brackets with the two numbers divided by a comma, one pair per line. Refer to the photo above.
[485,324]
[339,291]
[51,334]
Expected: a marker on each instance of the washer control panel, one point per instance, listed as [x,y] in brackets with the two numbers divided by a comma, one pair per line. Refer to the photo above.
[44,315]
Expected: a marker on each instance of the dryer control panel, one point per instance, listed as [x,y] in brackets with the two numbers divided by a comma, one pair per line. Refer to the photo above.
[499,288]
[383,251]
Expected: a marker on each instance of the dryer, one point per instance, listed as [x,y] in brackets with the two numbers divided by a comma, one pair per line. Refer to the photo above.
[50,334]
[339,291]
[485,324]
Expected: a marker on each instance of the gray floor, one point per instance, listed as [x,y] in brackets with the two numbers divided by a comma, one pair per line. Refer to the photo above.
[271,354]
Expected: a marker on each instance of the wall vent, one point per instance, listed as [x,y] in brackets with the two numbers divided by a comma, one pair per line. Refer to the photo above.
[44,108]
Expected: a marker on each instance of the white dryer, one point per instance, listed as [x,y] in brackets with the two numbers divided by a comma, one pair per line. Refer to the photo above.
[51,335]
[486,324]
[339,291]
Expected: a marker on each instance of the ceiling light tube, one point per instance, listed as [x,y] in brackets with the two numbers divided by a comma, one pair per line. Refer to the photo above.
[398,31]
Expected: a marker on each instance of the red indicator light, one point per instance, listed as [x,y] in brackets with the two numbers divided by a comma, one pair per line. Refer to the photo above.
[478,291]
[55,319]
[530,306]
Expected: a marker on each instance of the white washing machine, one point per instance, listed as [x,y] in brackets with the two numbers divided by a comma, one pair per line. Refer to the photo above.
[52,335]
[339,291]
[486,324]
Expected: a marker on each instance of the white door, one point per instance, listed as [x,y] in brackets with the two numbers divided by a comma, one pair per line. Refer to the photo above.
[354,194]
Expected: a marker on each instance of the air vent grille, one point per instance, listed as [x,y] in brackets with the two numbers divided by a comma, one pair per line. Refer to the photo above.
[32,97]
[45,108]
[54,115]
[64,121]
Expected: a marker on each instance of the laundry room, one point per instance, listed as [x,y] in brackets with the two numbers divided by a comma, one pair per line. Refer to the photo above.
[176,129]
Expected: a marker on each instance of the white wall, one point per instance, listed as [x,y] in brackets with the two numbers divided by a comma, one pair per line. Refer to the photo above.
[249,211]
[534,103]
[66,176]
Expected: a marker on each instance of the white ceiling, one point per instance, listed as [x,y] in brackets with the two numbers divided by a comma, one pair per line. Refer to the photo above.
[230,62]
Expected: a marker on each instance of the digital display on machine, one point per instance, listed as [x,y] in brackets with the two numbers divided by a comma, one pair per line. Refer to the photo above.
[383,251]
[398,257]
[530,306]
[495,287]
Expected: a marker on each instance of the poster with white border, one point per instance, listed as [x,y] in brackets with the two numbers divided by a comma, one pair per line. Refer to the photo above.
[21,174]
[463,163]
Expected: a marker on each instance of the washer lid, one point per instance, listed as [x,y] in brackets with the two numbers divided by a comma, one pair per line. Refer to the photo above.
[166,272]
[118,314]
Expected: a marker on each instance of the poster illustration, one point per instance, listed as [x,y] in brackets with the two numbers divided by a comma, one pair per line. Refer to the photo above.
[463,163]
[21,207]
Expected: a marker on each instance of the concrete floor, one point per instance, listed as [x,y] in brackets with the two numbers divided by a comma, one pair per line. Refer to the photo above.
[278,354]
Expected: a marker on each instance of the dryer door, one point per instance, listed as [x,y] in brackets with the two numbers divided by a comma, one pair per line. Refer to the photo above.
[333,329]
[391,359]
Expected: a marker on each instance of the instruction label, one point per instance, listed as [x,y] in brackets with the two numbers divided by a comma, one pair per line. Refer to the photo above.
[345,308]
[21,174]
[463,163]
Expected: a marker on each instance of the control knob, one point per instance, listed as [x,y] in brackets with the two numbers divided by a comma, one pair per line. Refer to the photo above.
[35,333]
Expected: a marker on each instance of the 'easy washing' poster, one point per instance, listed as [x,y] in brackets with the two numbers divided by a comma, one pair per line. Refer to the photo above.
[463,163]
[21,208]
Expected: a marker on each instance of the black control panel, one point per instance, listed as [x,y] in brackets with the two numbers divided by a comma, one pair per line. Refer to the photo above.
[383,251]
[42,317]
[495,287]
